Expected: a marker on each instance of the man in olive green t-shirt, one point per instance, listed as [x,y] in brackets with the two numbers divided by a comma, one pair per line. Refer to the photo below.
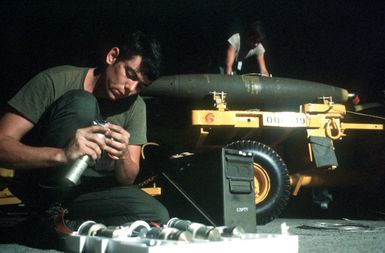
[49,127]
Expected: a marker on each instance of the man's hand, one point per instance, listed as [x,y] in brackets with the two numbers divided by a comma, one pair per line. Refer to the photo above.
[87,141]
[127,156]
[117,140]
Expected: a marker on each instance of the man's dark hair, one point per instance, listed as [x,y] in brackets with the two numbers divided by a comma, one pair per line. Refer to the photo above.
[139,43]
[255,31]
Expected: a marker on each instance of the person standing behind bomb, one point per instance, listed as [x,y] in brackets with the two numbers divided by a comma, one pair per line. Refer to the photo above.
[244,49]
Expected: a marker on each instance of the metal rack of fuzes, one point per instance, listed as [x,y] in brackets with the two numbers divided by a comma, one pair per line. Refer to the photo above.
[177,235]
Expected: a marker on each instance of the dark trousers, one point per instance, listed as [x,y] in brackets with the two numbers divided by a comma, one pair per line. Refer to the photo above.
[97,198]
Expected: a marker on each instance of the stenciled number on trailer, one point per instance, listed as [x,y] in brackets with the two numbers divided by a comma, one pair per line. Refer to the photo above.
[284,119]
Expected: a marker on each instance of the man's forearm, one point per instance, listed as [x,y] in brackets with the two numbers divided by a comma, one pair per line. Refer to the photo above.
[15,155]
[228,70]
[126,171]
[230,58]
[127,165]
[262,65]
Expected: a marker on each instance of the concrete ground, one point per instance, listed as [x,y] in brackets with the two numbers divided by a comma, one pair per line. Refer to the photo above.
[335,236]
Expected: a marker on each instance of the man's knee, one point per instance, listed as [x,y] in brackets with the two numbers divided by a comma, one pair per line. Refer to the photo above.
[73,110]
[80,103]
[74,107]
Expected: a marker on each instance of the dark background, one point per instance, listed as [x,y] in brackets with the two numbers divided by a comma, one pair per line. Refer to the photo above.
[341,43]
[336,42]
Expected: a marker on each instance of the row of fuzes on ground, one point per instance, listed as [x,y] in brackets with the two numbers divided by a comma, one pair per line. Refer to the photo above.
[175,229]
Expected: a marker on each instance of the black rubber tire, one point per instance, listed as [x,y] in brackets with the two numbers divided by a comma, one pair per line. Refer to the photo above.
[277,197]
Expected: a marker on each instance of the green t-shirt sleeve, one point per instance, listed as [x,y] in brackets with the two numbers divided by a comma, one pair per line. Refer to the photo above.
[34,98]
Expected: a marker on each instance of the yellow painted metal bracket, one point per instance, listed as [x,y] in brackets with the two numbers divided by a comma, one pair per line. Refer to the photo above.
[7,198]
[362,126]
[319,119]
[153,191]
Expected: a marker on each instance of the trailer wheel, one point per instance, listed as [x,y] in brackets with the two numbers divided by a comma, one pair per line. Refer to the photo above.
[271,180]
